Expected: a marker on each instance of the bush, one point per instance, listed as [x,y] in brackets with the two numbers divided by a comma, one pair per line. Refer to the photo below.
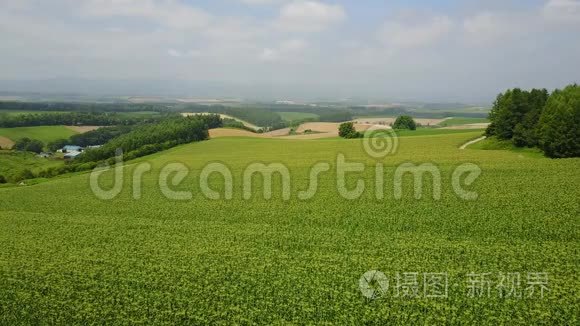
[23,175]
[347,130]
[405,122]
[85,166]
[2,179]
[29,145]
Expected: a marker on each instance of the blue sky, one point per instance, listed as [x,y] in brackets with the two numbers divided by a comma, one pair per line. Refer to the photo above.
[389,49]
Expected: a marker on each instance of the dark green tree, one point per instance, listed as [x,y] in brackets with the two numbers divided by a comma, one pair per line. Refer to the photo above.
[21,144]
[405,122]
[525,131]
[347,130]
[23,175]
[28,145]
[35,146]
[57,144]
[559,125]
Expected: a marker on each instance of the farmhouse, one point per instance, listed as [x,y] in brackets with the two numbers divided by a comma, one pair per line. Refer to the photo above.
[72,148]
[71,155]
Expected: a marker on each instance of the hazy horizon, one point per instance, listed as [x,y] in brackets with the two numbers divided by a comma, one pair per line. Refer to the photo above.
[421,50]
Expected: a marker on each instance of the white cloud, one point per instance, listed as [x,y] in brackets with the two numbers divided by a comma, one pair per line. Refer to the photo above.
[233,30]
[162,39]
[169,13]
[260,2]
[174,53]
[286,50]
[489,28]
[268,55]
[562,11]
[293,45]
[402,33]
[309,16]
[178,54]
[486,28]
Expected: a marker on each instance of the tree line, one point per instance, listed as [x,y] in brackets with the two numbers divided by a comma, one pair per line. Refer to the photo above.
[72,119]
[150,138]
[257,116]
[82,107]
[91,138]
[107,114]
[137,141]
[536,118]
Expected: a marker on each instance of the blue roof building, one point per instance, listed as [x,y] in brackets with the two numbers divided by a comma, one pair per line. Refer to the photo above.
[72,148]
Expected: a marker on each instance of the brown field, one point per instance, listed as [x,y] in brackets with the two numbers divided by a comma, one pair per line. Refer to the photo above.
[226,132]
[82,129]
[318,127]
[320,130]
[313,136]
[389,121]
[6,143]
[278,133]
[331,127]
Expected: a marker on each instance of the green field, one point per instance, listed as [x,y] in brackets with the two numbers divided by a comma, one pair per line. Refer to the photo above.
[433,132]
[45,134]
[462,121]
[70,258]
[294,116]
[12,163]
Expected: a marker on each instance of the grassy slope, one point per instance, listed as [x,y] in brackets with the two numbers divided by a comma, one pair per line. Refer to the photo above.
[433,132]
[496,144]
[44,133]
[208,261]
[293,116]
[14,162]
[462,121]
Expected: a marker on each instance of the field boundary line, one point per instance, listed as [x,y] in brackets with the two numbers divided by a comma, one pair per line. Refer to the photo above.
[471,142]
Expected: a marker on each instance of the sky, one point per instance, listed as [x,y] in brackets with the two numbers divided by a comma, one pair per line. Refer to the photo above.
[447,50]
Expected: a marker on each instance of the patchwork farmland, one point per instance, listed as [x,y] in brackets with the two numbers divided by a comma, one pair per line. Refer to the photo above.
[156,259]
